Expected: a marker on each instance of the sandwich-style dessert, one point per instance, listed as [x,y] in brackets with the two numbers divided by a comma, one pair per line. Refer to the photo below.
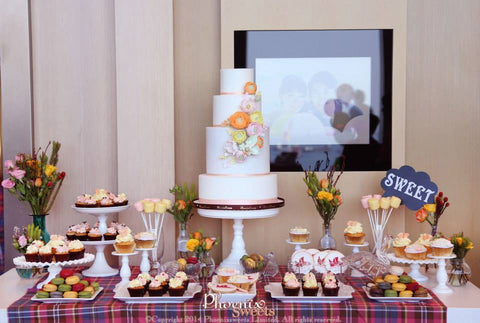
[353,233]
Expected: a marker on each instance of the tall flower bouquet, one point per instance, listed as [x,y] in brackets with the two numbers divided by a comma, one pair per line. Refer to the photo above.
[35,181]
[201,245]
[432,212]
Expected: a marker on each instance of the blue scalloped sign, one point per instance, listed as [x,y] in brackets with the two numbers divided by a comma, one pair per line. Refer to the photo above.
[414,188]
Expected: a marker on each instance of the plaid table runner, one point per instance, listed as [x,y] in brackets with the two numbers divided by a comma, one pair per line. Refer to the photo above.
[107,309]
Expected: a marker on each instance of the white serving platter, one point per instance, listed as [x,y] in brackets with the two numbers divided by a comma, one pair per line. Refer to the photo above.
[236,297]
[123,295]
[66,300]
[396,299]
[276,291]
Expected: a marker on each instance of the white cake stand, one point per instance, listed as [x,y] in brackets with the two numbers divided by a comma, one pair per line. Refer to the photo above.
[54,268]
[145,263]
[125,271]
[414,266]
[442,276]
[356,249]
[100,267]
[298,245]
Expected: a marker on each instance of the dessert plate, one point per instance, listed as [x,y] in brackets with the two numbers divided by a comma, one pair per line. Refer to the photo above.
[66,300]
[235,297]
[123,295]
[396,299]
[275,290]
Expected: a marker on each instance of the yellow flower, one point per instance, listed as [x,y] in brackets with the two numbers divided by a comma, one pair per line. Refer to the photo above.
[324,183]
[322,195]
[459,241]
[430,208]
[192,244]
[256,117]
[239,136]
[49,169]
[38,182]
[470,245]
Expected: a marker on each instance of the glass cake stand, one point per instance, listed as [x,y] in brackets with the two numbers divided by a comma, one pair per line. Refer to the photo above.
[100,267]
[238,213]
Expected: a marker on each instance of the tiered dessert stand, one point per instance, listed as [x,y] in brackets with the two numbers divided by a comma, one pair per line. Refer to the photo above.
[414,266]
[100,267]
[356,249]
[298,245]
[54,268]
[442,276]
[238,213]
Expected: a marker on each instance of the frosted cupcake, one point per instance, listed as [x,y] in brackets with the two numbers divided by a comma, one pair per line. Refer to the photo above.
[145,240]
[353,233]
[76,249]
[45,254]
[292,287]
[62,253]
[94,234]
[425,240]
[299,234]
[400,243]
[416,252]
[111,233]
[32,253]
[310,285]
[124,242]
[441,247]
[175,287]
[156,288]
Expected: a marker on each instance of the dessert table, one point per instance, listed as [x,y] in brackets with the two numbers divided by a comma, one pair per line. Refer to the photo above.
[462,305]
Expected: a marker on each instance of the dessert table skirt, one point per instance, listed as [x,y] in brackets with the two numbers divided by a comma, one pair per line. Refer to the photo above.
[106,309]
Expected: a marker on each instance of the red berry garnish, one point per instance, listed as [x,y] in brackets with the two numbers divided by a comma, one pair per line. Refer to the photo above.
[440,194]
[445,199]
[447,205]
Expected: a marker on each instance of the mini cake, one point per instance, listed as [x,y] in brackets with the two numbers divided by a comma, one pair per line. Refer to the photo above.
[353,233]
[45,254]
[32,253]
[135,288]
[240,281]
[175,287]
[85,200]
[292,287]
[299,234]
[184,278]
[400,243]
[62,253]
[156,288]
[145,240]
[76,249]
[416,252]
[224,274]
[120,199]
[310,285]
[111,234]
[425,240]
[94,234]
[441,247]
[124,242]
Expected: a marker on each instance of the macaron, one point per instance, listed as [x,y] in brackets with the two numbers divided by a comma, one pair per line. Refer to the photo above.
[391,278]
[376,292]
[70,294]
[405,293]
[378,280]
[89,289]
[413,286]
[49,287]
[56,294]
[66,273]
[79,275]
[421,292]
[390,293]
[65,288]
[399,287]
[58,281]
[405,279]
[42,294]
[95,285]
[84,282]
[72,280]
[85,294]
[78,287]
[384,285]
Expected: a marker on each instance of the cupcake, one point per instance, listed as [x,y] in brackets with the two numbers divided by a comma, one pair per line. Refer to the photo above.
[425,240]
[353,233]
[224,274]
[163,279]
[94,235]
[135,288]
[416,252]
[328,277]
[145,278]
[100,194]
[441,247]
[287,277]
[184,278]
[62,253]
[71,233]
[111,234]
[45,254]
[31,255]
[156,288]
[120,199]
[85,200]
[175,287]
[299,234]
[54,244]
[292,287]
[331,288]
[81,232]
[76,249]
[145,240]
[124,242]
[310,285]
[240,281]
[400,243]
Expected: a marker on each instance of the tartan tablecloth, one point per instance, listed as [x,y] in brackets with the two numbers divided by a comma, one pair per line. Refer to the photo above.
[106,309]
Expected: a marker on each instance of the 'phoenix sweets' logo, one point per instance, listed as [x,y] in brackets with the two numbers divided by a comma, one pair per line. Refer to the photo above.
[248,308]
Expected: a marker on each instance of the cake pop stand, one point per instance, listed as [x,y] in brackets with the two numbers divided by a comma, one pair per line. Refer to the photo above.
[442,276]
[125,271]
[298,245]
[356,249]
[238,213]
[100,267]
[414,266]
[54,268]
[145,264]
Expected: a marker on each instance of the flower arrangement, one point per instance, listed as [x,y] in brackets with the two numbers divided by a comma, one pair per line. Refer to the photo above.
[460,272]
[461,245]
[432,212]
[22,238]
[245,128]
[182,208]
[200,246]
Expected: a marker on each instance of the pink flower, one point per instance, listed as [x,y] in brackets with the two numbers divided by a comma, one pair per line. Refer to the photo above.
[139,206]
[17,173]
[8,183]
[22,241]
[255,129]
[9,164]
[20,158]
[249,104]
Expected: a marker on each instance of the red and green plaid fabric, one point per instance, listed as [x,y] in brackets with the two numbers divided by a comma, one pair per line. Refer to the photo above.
[107,309]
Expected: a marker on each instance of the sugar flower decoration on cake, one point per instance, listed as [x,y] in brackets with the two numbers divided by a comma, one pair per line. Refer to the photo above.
[239,136]
[249,104]
[250,88]
[239,120]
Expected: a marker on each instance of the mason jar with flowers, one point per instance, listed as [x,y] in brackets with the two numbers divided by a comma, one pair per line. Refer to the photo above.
[201,246]
[459,272]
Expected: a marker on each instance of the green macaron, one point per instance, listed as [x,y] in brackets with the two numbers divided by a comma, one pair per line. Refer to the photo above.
[84,282]
[95,285]
[65,288]
[405,279]
[84,294]
[391,293]
[58,281]
[42,294]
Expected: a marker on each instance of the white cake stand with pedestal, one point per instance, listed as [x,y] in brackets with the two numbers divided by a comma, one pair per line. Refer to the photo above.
[442,276]
[145,263]
[298,245]
[414,266]
[125,271]
[238,213]
[100,267]
[356,249]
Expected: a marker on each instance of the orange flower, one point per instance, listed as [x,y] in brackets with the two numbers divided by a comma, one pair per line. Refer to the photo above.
[260,142]
[309,192]
[239,120]
[421,215]
[197,235]
[181,204]
[209,243]
[250,88]
[339,199]
[38,182]
[324,183]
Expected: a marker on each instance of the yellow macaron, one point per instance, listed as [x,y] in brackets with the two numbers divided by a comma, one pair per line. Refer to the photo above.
[405,293]
[399,287]
[72,280]
[378,280]
[49,287]
[391,279]
[70,294]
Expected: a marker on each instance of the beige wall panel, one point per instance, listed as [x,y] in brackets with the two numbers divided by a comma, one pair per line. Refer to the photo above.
[73,48]
[145,121]
[443,110]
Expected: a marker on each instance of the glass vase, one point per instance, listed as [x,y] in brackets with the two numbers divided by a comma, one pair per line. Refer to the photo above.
[459,272]
[39,221]
[207,265]
[182,241]
[327,242]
